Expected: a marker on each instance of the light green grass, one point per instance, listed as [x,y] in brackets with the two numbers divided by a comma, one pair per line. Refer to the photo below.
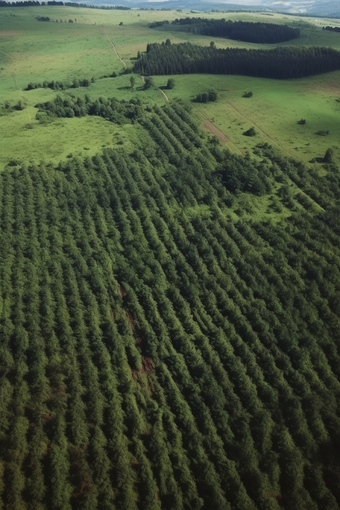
[274,110]
[28,141]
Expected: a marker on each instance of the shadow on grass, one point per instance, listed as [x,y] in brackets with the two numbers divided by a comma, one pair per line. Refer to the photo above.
[317,160]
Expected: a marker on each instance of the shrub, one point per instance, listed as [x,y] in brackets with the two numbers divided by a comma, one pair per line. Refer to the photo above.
[250,132]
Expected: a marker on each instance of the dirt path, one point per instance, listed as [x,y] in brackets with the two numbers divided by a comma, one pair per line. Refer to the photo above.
[112,44]
[13,60]
[7,33]
[161,91]
[164,94]
[209,126]
[8,55]
[114,47]
[280,148]
[259,129]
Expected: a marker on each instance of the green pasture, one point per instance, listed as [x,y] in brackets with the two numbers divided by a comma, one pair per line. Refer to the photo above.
[24,139]
[274,111]
[92,46]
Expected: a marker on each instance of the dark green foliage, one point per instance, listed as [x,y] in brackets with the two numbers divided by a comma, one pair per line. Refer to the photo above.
[281,63]
[59,85]
[111,109]
[248,94]
[250,132]
[267,33]
[148,82]
[156,24]
[170,83]
[157,353]
[329,156]
[206,97]
[331,29]
[7,107]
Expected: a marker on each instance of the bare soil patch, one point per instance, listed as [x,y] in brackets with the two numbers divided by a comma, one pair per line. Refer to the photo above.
[6,33]
[209,126]
[164,94]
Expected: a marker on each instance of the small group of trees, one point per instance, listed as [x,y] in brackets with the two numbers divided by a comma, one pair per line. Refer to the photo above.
[7,107]
[148,82]
[206,97]
[112,109]
[59,85]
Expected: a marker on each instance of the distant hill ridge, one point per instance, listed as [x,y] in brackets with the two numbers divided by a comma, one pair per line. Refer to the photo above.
[320,8]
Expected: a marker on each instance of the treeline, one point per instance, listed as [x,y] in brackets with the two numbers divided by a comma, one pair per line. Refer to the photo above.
[111,109]
[157,24]
[257,32]
[29,3]
[59,85]
[279,63]
[159,348]
[25,3]
[331,29]
[105,7]
[35,3]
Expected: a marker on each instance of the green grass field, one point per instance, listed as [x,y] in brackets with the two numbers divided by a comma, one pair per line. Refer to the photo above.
[95,45]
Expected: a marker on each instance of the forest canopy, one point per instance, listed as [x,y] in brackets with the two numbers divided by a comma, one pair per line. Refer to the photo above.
[160,349]
[246,31]
[281,63]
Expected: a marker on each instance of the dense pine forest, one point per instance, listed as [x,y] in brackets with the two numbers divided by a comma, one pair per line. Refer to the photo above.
[280,63]
[160,348]
[268,33]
